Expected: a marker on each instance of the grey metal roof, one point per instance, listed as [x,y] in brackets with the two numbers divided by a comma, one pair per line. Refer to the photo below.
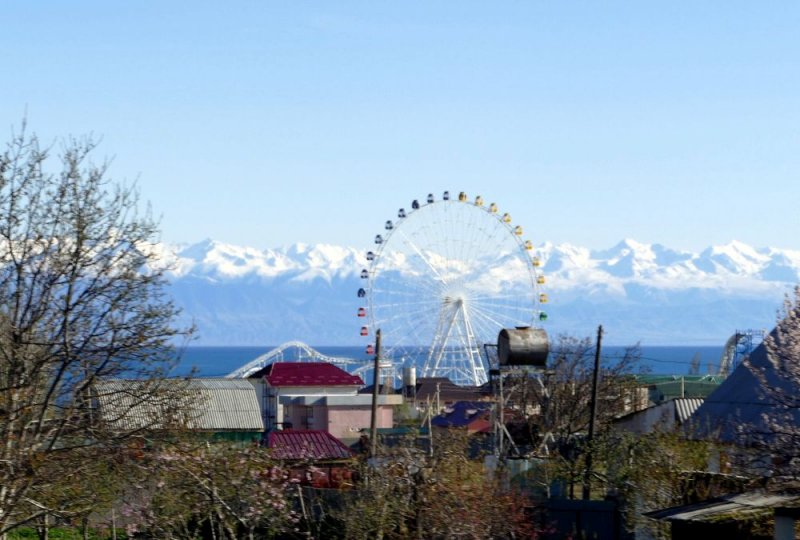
[198,404]
[740,504]
[685,408]
[742,405]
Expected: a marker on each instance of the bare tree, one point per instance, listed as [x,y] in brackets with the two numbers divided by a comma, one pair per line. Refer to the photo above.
[555,404]
[81,299]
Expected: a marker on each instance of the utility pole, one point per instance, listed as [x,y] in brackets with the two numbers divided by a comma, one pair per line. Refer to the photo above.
[373,424]
[587,477]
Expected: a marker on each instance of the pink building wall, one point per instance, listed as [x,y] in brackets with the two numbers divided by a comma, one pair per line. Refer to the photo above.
[343,422]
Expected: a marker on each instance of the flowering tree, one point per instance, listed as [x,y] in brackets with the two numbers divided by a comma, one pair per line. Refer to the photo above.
[215,490]
[411,494]
[779,434]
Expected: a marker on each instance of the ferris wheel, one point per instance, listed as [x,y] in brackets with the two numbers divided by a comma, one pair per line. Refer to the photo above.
[445,276]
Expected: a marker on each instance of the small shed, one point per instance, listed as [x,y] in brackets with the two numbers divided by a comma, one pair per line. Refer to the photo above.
[741,516]
[315,457]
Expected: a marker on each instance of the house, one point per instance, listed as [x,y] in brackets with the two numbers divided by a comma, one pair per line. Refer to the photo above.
[318,396]
[663,417]
[226,409]
[315,458]
[474,416]
[441,392]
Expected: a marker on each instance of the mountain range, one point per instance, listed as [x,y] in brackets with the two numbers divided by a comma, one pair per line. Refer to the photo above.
[646,293]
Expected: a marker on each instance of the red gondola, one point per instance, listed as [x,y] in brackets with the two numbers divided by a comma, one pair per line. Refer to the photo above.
[364,331]
[370,349]
[362,312]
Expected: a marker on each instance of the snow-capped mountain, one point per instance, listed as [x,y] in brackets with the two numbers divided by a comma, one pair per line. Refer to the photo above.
[239,295]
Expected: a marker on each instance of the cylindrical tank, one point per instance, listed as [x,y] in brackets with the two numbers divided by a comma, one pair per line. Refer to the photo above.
[523,346]
[410,382]
[409,376]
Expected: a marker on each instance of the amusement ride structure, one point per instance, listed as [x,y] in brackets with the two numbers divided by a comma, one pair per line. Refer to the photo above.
[443,279]
[300,353]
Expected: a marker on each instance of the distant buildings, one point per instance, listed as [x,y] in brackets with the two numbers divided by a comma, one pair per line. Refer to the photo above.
[318,396]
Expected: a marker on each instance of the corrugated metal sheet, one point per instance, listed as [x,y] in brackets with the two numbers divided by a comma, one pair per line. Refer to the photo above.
[712,510]
[685,407]
[199,404]
[307,444]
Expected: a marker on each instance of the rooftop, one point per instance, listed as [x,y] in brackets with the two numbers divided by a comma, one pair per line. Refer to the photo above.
[307,444]
[309,374]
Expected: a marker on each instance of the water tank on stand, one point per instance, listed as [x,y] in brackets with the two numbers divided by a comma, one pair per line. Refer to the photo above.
[523,346]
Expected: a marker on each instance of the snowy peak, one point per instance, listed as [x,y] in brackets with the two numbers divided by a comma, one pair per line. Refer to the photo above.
[731,266]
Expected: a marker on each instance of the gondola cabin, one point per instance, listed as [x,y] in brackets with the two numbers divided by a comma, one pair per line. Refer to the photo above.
[537,262]
[506,218]
[518,230]
[370,256]
[542,316]
[446,196]
[415,204]
[364,274]
[401,213]
[364,331]
[540,280]
[389,225]
[362,293]
[430,198]
[493,208]
[462,197]
[362,312]
[370,349]
[478,201]
[528,245]
[379,239]
[543,298]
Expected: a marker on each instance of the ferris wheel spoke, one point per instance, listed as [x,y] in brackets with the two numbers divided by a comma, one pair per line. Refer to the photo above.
[423,257]
[506,311]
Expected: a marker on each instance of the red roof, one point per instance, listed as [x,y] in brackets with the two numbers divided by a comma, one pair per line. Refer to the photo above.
[307,444]
[310,374]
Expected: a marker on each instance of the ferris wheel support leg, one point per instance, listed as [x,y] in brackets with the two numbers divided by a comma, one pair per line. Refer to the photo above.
[440,340]
[473,348]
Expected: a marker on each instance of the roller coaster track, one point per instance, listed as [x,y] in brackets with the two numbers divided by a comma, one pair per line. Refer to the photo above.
[306,354]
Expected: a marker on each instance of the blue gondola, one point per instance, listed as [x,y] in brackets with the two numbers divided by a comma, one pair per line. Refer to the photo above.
[446,196]
[362,293]
[415,204]
[389,226]
[401,213]
[430,198]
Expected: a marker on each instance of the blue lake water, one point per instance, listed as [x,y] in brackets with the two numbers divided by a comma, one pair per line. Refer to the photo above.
[219,361]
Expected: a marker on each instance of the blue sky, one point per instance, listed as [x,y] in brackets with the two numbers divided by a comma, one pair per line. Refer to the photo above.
[266,123]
